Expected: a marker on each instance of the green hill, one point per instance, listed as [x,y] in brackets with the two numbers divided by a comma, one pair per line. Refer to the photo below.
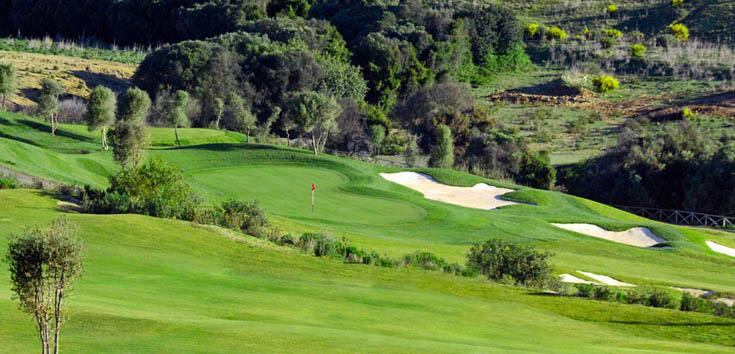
[162,285]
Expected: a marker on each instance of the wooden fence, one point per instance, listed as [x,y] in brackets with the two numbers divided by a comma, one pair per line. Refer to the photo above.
[682,217]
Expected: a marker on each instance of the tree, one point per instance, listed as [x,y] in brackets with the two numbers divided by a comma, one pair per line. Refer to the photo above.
[7,81]
[129,137]
[44,264]
[48,102]
[316,115]
[412,150]
[178,117]
[134,106]
[101,111]
[377,135]
[219,111]
[238,117]
[442,153]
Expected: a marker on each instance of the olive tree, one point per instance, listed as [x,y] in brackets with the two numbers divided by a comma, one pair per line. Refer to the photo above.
[239,117]
[48,102]
[129,136]
[8,81]
[177,117]
[316,115]
[101,112]
[44,264]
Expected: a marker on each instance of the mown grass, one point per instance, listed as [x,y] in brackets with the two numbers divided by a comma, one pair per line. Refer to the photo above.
[353,201]
[153,285]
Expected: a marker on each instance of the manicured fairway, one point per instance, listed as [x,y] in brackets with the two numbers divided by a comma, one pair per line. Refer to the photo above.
[354,202]
[155,286]
[286,190]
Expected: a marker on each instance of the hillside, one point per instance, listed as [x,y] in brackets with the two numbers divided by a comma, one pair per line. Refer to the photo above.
[353,201]
[159,285]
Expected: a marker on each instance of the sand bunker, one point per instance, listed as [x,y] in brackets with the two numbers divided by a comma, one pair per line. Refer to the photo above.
[568,278]
[604,279]
[721,249]
[637,236]
[480,196]
[694,292]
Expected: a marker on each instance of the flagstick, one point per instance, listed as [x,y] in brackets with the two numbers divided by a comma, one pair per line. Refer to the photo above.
[312,200]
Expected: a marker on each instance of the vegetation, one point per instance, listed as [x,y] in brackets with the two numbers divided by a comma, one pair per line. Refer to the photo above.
[44,264]
[7,82]
[498,259]
[605,83]
[680,31]
[48,103]
[101,112]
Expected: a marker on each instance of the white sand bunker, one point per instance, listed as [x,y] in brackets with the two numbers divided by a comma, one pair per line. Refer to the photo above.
[568,278]
[604,279]
[721,249]
[480,196]
[637,236]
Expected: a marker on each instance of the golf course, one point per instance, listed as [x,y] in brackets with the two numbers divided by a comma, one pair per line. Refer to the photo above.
[158,285]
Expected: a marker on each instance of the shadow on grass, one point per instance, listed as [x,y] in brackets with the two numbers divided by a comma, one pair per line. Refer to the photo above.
[18,139]
[95,79]
[46,129]
[676,324]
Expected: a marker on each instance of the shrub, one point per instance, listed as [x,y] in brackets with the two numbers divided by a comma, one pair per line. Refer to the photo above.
[613,33]
[688,114]
[532,30]
[638,296]
[425,260]
[8,183]
[250,218]
[638,50]
[662,298]
[605,83]
[677,3]
[603,293]
[556,33]
[585,290]
[155,189]
[694,304]
[611,9]
[680,31]
[497,259]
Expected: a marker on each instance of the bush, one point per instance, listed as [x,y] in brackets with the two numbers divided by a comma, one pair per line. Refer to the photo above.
[677,3]
[249,218]
[605,83]
[662,298]
[8,183]
[556,33]
[497,259]
[688,114]
[680,31]
[638,50]
[585,290]
[603,293]
[694,304]
[155,189]
[611,9]
[532,30]
[425,260]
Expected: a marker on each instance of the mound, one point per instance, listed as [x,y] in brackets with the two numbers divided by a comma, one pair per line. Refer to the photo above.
[720,248]
[479,196]
[637,236]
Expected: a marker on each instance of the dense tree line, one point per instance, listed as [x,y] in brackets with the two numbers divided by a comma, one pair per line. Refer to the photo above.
[127,22]
[678,168]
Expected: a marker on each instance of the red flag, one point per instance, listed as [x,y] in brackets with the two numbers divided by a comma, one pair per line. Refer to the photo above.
[313,186]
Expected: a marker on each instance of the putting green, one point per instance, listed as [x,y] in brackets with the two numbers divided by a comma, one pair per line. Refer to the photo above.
[286,191]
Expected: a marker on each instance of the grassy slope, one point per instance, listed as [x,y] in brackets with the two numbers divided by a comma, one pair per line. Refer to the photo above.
[76,75]
[354,202]
[156,286]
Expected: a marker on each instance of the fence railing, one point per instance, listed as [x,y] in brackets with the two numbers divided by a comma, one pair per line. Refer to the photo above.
[682,217]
